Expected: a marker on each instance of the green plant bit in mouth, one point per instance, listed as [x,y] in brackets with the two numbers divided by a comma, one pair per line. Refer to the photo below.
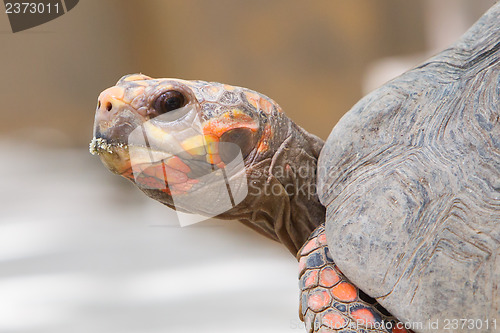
[97,145]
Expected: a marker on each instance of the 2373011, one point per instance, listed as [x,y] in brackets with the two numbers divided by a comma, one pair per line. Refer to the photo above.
[31,8]
[471,324]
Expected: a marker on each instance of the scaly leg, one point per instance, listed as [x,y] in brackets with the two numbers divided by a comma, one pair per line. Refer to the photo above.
[329,302]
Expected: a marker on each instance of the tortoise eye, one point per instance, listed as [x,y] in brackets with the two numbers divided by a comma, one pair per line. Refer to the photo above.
[169,101]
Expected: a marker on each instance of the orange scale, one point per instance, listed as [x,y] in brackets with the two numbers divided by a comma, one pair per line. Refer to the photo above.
[319,300]
[333,320]
[266,106]
[176,163]
[211,90]
[266,135]
[328,277]
[264,146]
[311,245]
[311,279]
[322,239]
[364,316]
[345,292]
[214,159]
[253,99]
[214,127]
[174,176]
[217,127]
[149,170]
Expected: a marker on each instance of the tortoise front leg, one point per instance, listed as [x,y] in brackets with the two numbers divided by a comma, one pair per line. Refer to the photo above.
[329,302]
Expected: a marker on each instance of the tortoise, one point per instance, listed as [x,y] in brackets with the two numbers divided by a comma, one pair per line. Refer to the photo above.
[399,225]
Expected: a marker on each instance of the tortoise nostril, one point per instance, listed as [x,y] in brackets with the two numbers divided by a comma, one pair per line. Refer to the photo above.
[111,100]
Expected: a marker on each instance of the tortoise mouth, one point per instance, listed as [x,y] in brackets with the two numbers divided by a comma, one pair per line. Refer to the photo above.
[99,145]
[114,155]
[153,169]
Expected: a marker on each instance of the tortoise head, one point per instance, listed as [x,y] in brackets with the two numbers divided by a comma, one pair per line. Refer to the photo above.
[166,134]
[188,144]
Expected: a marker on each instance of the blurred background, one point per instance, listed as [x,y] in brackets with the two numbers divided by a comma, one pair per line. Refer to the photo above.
[82,250]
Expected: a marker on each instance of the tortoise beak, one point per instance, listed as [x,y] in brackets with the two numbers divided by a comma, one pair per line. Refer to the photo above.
[114,121]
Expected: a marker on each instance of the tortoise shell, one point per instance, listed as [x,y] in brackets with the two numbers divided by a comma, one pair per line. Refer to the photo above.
[410,177]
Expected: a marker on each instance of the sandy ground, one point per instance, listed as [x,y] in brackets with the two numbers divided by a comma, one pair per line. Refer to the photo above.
[81,250]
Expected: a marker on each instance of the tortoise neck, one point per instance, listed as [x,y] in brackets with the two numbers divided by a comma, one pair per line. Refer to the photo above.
[282,202]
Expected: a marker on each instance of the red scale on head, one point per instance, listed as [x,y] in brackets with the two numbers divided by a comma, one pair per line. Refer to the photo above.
[264,142]
[176,163]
